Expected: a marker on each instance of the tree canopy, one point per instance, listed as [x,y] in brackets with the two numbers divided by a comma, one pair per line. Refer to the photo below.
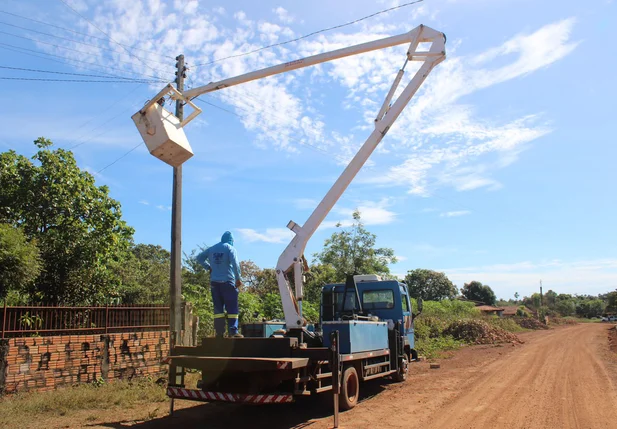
[20,260]
[352,251]
[429,285]
[476,291]
[78,227]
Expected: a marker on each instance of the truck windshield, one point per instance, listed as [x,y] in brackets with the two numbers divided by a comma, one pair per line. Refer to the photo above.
[377,299]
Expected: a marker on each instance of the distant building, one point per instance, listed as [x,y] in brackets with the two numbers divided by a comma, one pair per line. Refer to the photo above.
[490,310]
[510,311]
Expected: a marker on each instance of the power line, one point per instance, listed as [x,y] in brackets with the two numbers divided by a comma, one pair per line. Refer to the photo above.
[310,34]
[79,80]
[77,32]
[68,73]
[128,94]
[37,54]
[108,36]
[69,49]
[74,41]
[119,158]
[99,126]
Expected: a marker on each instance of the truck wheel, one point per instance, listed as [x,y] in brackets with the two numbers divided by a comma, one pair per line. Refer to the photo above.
[401,374]
[350,388]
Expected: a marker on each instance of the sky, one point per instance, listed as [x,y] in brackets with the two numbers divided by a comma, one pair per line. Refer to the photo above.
[500,169]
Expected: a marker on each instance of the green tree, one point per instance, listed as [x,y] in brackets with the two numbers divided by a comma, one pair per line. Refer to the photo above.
[352,251]
[611,302]
[77,225]
[318,276]
[550,299]
[566,307]
[476,291]
[20,261]
[144,275]
[429,285]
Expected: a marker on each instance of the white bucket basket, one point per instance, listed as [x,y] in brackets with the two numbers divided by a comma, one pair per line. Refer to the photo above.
[163,134]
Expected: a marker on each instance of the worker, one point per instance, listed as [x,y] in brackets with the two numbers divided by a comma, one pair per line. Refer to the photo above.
[221,260]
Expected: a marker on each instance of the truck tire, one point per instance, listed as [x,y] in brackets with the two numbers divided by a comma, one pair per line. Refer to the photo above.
[350,389]
[401,374]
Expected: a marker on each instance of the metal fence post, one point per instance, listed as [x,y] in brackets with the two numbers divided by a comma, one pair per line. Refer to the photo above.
[4,319]
[336,378]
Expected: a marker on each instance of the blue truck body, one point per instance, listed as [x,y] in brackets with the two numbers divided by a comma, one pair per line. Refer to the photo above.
[388,300]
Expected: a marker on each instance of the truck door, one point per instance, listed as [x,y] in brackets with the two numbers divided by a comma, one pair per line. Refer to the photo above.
[407,319]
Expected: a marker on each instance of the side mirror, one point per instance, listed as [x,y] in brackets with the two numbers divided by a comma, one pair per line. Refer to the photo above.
[420,305]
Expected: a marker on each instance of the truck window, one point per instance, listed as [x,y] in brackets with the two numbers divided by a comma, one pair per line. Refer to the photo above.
[350,298]
[377,299]
[405,303]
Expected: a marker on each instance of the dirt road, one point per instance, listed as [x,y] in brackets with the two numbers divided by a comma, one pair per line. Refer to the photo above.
[558,380]
[562,378]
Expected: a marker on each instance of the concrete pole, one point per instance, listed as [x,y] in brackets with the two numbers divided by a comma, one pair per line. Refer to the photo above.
[176,224]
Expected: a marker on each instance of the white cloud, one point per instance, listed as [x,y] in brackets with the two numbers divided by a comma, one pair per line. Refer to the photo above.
[283,15]
[371,213]
[164,208]
[144,202]
[449,145]
[582,277]
[270,235]
[455,213]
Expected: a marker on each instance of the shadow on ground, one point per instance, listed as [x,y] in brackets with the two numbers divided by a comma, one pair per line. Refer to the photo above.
[298,415]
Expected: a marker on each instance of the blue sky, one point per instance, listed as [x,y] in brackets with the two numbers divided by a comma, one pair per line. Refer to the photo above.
[500,170]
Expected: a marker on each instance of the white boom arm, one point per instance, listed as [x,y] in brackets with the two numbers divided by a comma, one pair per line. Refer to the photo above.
[292,257]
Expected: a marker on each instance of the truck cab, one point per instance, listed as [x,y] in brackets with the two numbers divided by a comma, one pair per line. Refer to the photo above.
[376,300]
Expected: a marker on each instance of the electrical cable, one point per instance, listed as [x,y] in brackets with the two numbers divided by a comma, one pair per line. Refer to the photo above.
[99,126]
[67,73]
[78,80]
[77,32]
[127,95]
[75,41]
[37,54]
[119,158]
[71,49]
[310,34]
[108,36]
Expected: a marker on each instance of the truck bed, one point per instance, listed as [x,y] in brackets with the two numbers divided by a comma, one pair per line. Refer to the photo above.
[238,364]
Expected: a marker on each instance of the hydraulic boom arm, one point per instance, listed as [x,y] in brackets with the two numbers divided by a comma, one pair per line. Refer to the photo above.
[292,257]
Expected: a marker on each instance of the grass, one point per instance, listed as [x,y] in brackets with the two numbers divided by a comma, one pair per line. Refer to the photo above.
[65,401]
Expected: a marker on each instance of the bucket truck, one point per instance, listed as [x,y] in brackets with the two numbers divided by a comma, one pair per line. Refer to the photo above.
[372,318]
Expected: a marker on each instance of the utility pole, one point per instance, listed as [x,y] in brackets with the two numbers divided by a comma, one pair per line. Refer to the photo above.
[541,298]
[176,223]
[176,373]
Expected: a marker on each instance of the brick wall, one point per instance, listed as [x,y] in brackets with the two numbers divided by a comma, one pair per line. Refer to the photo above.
[44,363]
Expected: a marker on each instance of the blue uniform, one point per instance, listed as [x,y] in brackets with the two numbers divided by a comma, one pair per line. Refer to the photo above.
[222,261]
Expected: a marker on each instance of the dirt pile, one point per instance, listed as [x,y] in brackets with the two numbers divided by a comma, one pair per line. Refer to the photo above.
[479,332]
[530,323]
